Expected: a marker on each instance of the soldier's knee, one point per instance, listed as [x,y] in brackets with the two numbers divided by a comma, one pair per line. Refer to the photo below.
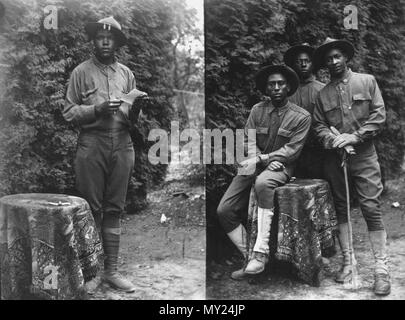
[227,217]
[369,207]
[223,211]
[262,185]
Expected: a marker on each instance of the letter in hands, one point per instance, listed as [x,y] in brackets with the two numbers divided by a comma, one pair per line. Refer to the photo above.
[133,96]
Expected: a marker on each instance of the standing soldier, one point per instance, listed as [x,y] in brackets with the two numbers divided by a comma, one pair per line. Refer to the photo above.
[105,155]
[352,103]
[281,129]
[310,163]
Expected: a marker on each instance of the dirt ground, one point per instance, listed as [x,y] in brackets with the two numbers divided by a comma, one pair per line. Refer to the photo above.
[279,285]
[165,260]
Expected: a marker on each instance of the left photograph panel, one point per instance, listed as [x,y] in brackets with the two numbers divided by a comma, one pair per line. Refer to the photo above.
[102,191]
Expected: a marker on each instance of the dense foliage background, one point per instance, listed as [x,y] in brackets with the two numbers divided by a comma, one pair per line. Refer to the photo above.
[37,146]
[242,35]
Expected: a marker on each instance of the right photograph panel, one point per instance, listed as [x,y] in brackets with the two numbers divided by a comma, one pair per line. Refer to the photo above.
[304,118]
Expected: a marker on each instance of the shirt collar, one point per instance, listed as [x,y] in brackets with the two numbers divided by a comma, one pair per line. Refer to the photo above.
[280,111]
[345,79]
[102,66]
[308,80]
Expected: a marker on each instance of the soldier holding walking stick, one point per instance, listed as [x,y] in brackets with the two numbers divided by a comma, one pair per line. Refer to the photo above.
[352,104]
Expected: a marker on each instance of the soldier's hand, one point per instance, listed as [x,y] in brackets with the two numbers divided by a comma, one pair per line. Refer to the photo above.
[345,139]
[249,162]
[248,166]
[276,166]
[107,107]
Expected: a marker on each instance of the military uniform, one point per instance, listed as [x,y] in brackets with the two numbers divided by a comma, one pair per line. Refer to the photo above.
[310,163]
[281,133]
[281,130]
[353,105]
[105,155]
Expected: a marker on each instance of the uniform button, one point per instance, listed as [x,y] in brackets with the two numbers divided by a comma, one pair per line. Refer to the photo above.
[345,81]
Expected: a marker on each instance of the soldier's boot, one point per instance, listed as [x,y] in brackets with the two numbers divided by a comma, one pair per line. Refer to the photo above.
[344,275]
[382,280]
[92,285]
[238,237]
[111,243]
[260,255]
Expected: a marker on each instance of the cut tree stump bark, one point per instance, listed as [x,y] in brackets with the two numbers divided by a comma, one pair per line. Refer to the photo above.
[49,246]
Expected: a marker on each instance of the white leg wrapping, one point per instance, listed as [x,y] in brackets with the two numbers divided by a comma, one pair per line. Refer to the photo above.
[264,218]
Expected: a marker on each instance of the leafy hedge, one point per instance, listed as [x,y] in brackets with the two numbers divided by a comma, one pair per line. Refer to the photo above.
[243,35]
[37,145]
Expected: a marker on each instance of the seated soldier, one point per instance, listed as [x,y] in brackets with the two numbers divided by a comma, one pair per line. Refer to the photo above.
[281,129]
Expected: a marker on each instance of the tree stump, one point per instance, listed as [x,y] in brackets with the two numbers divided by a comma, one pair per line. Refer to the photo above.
[302,227]
[49,246]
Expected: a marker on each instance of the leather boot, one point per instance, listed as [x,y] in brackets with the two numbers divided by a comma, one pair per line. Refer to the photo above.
[238,237]
[257,263]
[345,273]
[111,241]
[382,280]
[261,249]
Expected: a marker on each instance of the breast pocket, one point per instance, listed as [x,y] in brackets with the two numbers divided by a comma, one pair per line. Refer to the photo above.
[262,134]
[361,106]
[333,115]
[283,137]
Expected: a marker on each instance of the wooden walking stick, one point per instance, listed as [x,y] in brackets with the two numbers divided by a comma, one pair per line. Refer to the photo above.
[348,150]
[353,263]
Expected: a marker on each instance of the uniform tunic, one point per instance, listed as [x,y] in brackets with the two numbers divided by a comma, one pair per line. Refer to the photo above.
[280,133]
[105,155]
[310,163]
[353,105]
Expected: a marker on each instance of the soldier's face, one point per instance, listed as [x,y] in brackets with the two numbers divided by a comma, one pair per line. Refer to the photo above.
[303,65]
[336,61]
[104,44]
[277,87]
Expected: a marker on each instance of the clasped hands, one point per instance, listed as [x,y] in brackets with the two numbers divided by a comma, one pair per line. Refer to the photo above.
[249,165]
[345,139]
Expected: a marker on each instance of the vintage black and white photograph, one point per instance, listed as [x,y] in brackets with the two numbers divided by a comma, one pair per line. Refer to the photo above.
[319,212]
[211,150]
[93,204]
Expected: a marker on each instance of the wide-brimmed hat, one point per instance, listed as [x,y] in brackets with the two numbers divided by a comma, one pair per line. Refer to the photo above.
[110,24]
[263,75]
[330,43]
[291,54]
